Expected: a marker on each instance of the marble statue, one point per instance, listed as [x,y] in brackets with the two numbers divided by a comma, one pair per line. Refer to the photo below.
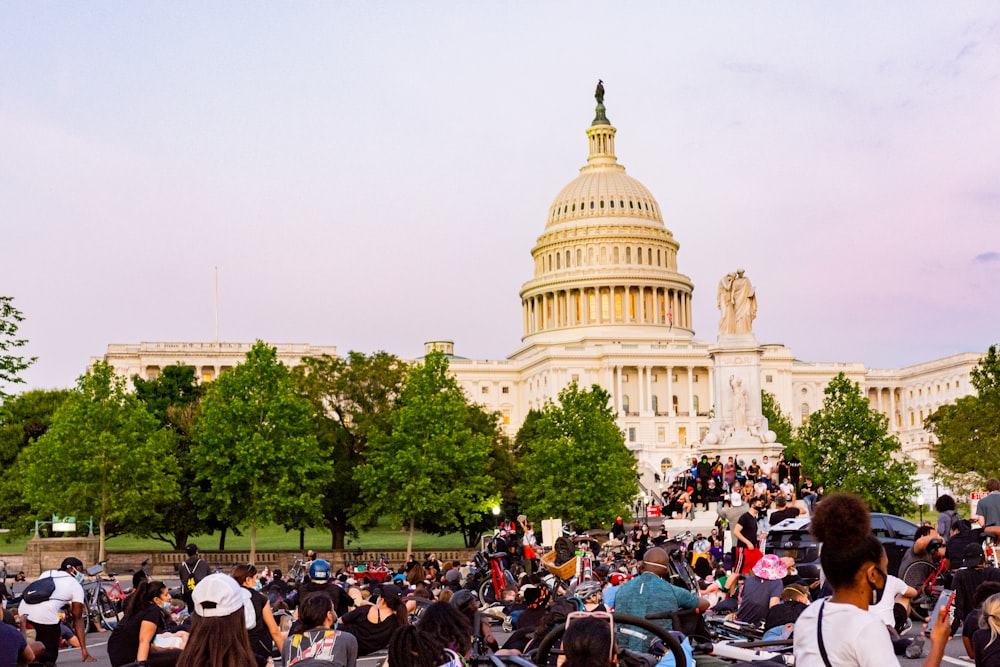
[727,324]
[739,402]
[737,302]
[744,303]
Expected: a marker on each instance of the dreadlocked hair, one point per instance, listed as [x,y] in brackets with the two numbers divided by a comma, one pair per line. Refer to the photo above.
[843,524]
[409,646]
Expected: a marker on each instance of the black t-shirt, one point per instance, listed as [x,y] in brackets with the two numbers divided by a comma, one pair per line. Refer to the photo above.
[965,582]
[777,516]
[783,612]
[331,590]
[371,636]
[985,656]
[123,645]
[749,523]
[794,470]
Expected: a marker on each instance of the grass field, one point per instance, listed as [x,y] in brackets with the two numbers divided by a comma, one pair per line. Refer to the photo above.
[275,538]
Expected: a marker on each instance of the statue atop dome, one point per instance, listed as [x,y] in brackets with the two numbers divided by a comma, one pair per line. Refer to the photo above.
[601,118]
[737,301]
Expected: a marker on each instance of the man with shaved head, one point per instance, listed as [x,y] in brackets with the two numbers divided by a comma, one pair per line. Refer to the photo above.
[650,593]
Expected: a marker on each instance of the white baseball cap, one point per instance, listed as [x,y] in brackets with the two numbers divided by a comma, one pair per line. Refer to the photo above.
[220,595]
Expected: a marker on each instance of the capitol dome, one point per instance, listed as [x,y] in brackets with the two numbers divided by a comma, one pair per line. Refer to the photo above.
[606,265]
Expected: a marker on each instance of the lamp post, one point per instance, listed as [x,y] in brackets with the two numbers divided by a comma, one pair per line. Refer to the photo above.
[920,503]
[496,516]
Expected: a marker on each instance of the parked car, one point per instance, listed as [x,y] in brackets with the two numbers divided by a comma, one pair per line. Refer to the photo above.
[791,538]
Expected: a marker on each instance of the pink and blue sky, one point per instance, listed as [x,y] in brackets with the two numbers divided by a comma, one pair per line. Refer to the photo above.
[372,175]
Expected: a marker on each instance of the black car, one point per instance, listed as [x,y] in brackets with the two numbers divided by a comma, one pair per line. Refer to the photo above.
[791,538]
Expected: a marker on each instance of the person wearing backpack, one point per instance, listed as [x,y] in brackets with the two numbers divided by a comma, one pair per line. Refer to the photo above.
[43,614]
[191,571]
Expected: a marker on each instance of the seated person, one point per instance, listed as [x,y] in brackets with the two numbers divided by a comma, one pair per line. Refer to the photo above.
[971,623]
[141,635]
[761,590]
[317,639]
[588,642]
[373,624]
[780,619]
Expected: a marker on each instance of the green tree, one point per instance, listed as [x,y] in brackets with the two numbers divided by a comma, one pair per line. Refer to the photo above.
[173,398]
[846,446]
[577,466]
[968,431]
[255,456]
[501,471]
[352,398]
[23,419]
[11,364]
[429,463]
[777,421]
[100,457]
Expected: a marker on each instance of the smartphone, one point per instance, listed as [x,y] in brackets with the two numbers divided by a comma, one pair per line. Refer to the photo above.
[943,602]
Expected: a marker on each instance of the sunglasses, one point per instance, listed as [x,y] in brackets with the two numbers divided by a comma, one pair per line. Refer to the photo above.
[602,615]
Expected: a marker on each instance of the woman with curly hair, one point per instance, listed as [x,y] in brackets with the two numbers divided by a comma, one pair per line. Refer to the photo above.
[839,630]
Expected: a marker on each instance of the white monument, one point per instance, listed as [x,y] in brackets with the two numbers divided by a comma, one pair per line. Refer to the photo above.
[738,427]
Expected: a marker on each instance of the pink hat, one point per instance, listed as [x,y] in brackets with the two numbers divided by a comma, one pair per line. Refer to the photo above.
[770,568]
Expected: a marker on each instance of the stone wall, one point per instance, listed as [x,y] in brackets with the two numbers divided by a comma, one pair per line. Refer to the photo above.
[48,553]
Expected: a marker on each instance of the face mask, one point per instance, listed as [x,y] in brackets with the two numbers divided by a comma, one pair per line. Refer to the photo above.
[878,592]
[79,577]
[165,606]
[257,585]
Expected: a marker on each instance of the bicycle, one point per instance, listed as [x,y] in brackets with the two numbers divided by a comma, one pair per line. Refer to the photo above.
[500,580]
[927,578]
[100,612]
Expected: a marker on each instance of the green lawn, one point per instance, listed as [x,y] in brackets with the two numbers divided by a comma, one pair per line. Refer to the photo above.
[274,538]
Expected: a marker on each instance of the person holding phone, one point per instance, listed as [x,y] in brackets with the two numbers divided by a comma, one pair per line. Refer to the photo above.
[839,630]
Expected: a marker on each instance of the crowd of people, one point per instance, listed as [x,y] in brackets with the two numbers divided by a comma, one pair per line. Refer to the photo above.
[425,613]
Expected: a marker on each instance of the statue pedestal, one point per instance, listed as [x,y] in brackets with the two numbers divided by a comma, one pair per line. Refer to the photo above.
[738,428]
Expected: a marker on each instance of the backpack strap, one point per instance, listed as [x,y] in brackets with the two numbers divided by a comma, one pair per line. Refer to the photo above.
[819,636]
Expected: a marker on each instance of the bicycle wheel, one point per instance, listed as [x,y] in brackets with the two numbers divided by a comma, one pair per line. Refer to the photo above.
[916,576]
[487,593]
[108,614]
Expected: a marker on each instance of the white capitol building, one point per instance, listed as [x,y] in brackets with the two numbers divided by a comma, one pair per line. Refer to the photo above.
[608,305]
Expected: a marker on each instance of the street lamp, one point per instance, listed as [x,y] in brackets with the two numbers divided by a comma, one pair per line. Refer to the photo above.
[920,503]
[496,516]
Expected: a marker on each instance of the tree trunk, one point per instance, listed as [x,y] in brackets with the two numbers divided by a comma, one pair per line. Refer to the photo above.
[302,539]
[180,539]
[409,537]
[222,538]
[103,536]
[253,542]
[338,530]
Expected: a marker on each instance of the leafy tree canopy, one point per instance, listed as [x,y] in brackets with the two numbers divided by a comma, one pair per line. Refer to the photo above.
[11,364]
[351,399]
[576,466]
[255,456]
[777,421]
[429,462]
[173,398]
[175,387]
[23,419]
[846,446]
[100,457]
[968,431]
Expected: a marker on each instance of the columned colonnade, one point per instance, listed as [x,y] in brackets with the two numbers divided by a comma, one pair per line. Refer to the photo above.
[619,304]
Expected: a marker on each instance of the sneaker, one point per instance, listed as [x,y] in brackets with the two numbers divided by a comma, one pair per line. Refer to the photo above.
[916,648]
[907,626]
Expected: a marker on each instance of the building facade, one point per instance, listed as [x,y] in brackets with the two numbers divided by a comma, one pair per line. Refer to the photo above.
[607,304]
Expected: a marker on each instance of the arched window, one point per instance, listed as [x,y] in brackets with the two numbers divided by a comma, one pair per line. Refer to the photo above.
[665,465]
[625,403]
[628,255]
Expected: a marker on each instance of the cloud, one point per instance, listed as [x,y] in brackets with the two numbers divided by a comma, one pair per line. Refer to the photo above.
[986,257]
